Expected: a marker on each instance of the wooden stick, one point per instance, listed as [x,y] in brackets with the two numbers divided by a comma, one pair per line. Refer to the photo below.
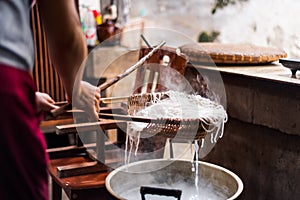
[58,111]
[114,99]
[129,118]
[147,43]
[91,126]
[132,68]
[87,126]
[62,109]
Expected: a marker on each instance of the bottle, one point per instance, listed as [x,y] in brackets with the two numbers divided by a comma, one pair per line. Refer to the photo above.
[90,28]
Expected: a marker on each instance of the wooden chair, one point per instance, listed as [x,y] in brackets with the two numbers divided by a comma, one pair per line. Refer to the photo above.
[45,76]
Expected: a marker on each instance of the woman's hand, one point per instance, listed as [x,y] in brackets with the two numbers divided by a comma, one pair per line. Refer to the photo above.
[44,102]
[87,98]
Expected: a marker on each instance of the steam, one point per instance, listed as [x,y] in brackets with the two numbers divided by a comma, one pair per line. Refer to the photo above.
[205,190]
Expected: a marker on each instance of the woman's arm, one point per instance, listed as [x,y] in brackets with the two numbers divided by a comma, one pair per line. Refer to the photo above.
[68,51]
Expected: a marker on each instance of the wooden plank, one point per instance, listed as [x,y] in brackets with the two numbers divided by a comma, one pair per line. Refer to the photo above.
[68,151]
[80,169]
[50,125]
[95,180]
[74,150]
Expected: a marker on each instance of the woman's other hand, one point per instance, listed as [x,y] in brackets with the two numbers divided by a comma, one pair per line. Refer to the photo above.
[44,102]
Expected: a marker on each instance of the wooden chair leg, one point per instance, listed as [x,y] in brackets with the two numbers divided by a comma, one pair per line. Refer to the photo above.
[171,148]
[56,191]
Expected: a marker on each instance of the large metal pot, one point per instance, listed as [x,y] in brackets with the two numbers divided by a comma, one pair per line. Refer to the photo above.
[170,177]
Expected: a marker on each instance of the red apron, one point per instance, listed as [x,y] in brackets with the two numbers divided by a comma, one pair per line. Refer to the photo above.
[23,157]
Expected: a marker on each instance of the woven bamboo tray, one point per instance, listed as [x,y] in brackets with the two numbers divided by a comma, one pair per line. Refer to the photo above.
[189,129]
[232,54]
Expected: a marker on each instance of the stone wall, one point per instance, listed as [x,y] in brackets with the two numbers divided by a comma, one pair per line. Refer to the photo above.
[262,137]
[265,159]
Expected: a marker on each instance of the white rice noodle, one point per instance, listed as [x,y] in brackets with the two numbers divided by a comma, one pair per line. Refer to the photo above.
[181,106]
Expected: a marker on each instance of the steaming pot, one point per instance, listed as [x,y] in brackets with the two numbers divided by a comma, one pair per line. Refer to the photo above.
[126,182]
